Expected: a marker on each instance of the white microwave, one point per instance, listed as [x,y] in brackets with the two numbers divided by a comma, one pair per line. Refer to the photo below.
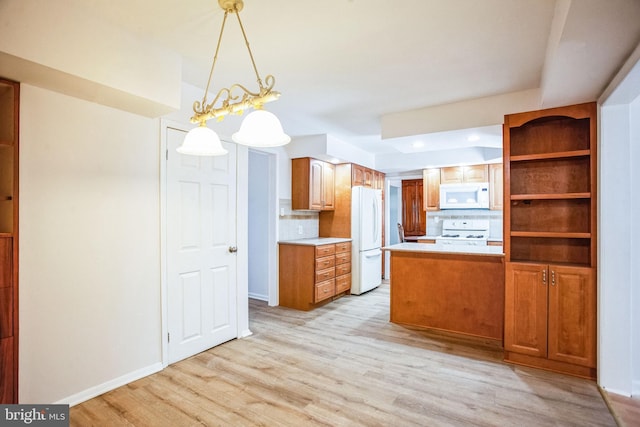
[464,196]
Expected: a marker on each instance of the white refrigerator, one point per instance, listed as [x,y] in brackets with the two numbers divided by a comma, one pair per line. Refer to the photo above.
[366,235]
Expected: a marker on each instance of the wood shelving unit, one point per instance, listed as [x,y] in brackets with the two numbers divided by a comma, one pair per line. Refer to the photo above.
[550,239]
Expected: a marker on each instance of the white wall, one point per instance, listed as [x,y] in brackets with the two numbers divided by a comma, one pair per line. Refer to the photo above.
[619,234]
[634,110]
[89,247]
[259,225]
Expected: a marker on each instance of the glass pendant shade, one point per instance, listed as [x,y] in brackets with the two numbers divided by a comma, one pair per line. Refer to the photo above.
[261,129]
[202,141]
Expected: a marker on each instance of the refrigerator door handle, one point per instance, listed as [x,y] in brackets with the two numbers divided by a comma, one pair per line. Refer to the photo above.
[373,254]
[375,217]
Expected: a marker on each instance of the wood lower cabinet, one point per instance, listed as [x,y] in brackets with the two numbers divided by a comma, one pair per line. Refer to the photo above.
[414,219]
[343,267]
[313,274]
[550,317]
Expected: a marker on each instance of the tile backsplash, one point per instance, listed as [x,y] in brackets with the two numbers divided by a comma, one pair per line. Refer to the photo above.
[434,220]
[295,225]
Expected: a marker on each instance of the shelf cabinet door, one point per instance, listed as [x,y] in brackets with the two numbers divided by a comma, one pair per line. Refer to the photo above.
[431,187]
[525,305]
[572,315]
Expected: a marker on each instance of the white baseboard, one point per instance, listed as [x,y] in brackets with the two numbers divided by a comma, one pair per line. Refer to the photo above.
[616,391]
[245,333]
[92,392]
[258,296]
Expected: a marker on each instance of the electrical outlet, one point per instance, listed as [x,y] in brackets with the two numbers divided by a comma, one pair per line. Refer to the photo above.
[299,229]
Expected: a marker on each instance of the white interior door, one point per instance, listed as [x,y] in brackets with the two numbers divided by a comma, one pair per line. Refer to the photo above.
[201,268]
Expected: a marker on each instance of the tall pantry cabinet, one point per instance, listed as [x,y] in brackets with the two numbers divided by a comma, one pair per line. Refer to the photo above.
[414,218]
[9,115]
[550,239]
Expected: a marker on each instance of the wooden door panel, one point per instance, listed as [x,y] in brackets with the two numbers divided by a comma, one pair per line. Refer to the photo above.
[476,173]
[526,309]
[451,175]
[315,185]
[328,186]
[572,320]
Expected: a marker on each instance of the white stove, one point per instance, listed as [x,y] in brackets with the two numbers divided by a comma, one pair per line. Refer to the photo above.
[464,232]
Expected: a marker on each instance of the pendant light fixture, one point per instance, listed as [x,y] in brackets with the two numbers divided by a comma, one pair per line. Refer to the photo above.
[259,129]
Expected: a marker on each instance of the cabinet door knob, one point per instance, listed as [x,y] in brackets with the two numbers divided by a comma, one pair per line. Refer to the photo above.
[544,277]
[553,278]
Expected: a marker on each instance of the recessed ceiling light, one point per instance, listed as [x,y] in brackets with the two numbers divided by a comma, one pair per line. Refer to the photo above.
[473,137]
[418,144]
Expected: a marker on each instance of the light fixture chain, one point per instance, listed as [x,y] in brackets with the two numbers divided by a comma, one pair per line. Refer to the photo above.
[215,58]
[253,62]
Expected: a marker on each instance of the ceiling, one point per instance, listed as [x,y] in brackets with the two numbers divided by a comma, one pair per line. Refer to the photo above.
[344,65]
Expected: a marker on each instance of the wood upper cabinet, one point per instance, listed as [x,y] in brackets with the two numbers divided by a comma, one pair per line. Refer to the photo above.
[464,174]
[496,186]
[312,184]
[431,188]
[357,175]
[414,219]
[550,312]
[365,177]
[378,180]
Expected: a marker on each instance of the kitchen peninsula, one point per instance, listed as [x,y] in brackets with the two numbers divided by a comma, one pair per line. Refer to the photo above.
[447,287]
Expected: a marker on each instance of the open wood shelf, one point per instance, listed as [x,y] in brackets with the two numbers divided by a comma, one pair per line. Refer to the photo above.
[550,156]
[550,235]
[550,196]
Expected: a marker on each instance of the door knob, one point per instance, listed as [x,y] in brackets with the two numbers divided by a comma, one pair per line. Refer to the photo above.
[233,249]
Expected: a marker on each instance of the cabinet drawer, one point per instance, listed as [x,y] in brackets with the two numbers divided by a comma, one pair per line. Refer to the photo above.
[325,290]
[327,273]
[325,250]
[343,258]
[325,262]
[343,269]
[343,283]
[343,247]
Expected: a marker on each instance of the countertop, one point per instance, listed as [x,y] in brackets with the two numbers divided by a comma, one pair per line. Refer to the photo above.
[453,249]
[315,241]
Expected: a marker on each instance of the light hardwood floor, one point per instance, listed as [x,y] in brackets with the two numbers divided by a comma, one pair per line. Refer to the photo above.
[345,365]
